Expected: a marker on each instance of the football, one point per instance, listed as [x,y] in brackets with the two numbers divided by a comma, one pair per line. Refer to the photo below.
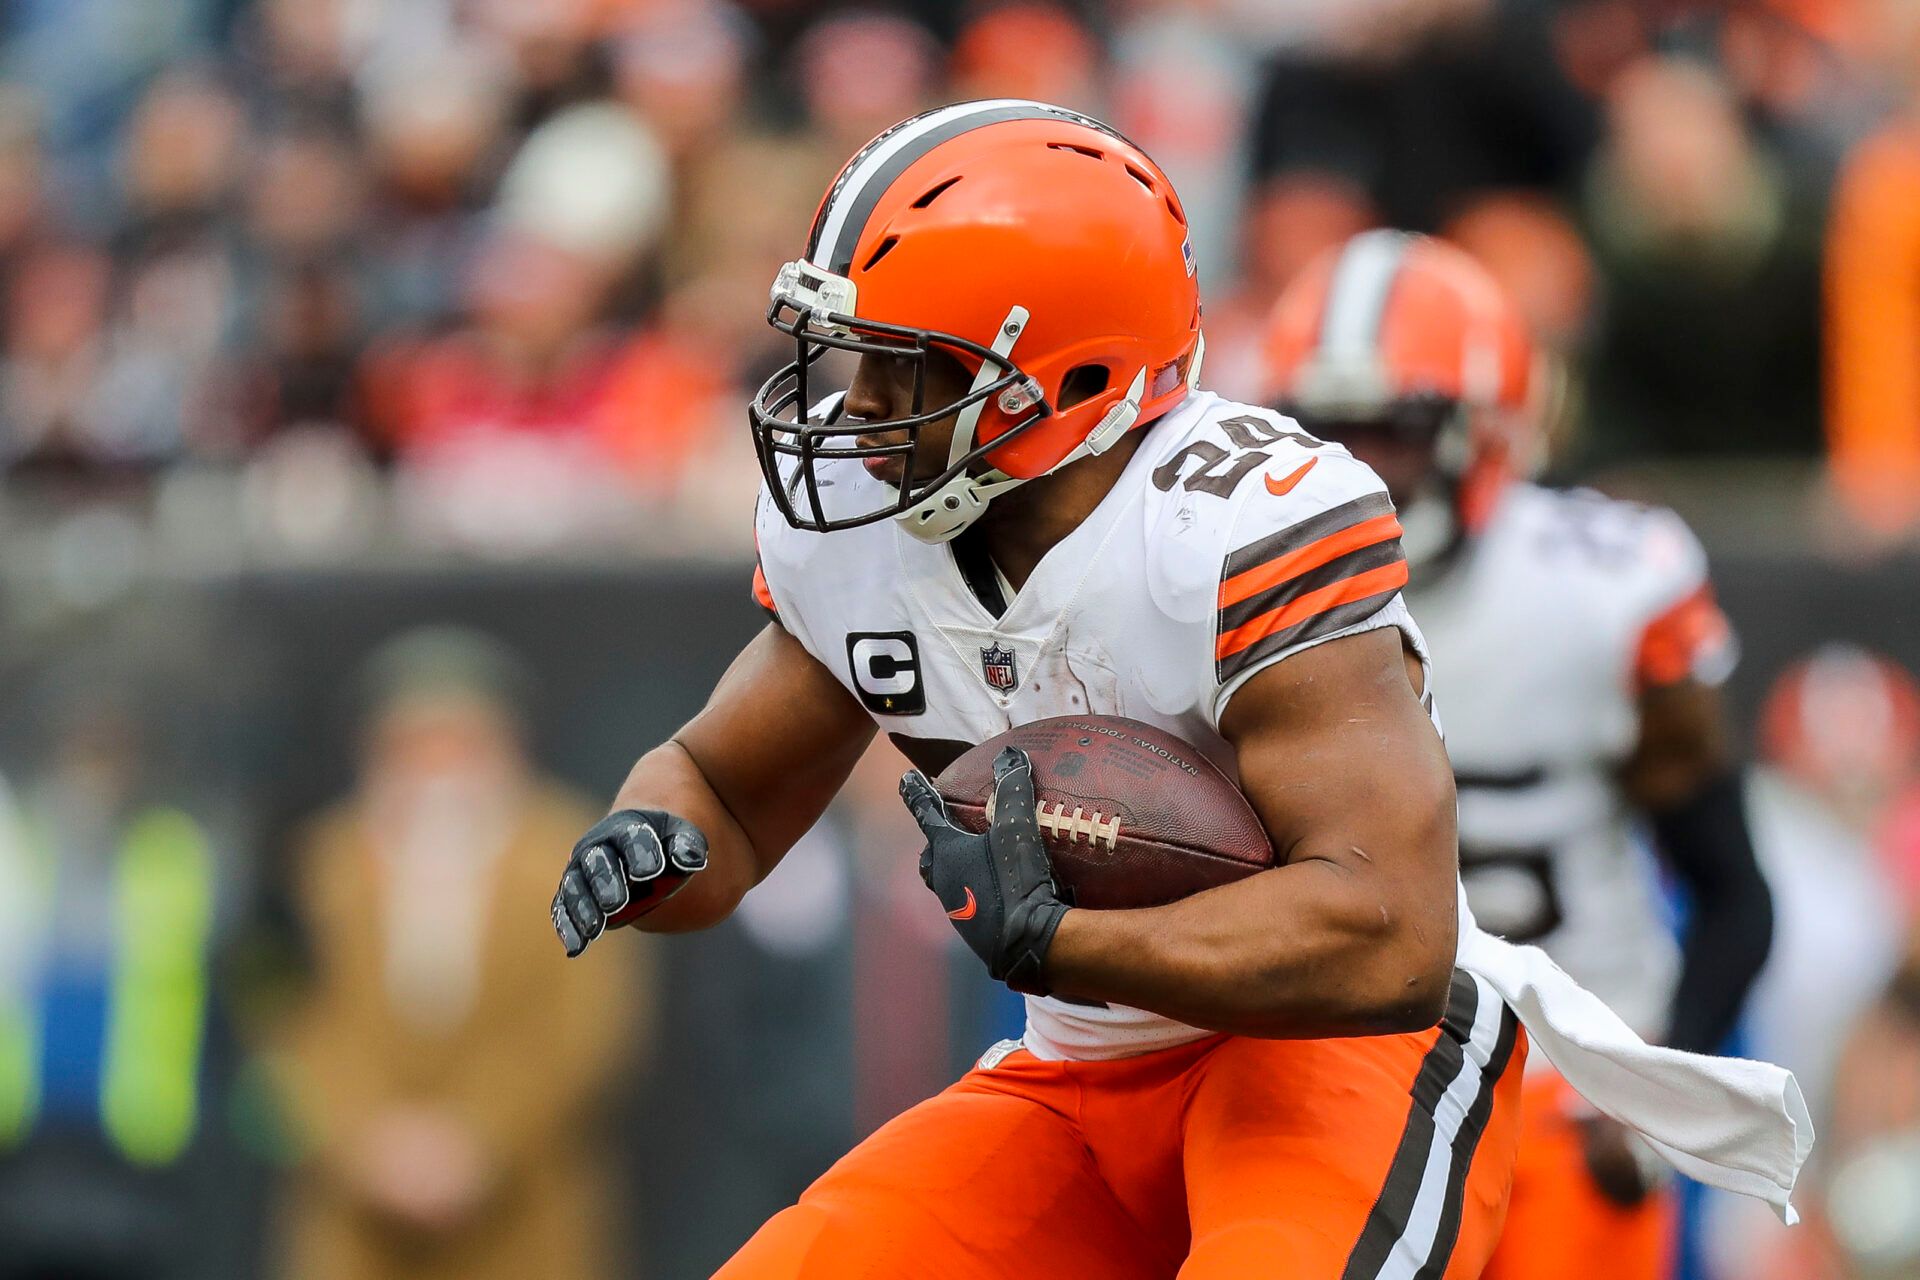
[1131,815]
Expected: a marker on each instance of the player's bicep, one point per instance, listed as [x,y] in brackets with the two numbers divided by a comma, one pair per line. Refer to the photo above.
[1683,744]
[1342,763]
[1684,650]
[776,741]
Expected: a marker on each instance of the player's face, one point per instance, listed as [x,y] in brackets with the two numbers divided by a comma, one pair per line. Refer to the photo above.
[883,387]
[1403,453]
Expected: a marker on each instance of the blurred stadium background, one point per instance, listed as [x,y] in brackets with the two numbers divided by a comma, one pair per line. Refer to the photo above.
[373,465]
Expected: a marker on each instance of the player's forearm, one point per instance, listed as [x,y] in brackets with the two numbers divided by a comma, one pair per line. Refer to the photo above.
[1309,950]
[1726,947]
[668,778]
[1706,841]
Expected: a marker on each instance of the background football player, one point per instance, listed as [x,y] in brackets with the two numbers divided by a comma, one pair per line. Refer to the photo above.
[1578,652]
[978,534]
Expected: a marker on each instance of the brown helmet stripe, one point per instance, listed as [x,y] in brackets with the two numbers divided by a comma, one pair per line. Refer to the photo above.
[858,190]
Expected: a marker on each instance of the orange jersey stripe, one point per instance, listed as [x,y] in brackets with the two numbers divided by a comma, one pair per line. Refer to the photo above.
[1253,581]
[1374,581]
[1674,643]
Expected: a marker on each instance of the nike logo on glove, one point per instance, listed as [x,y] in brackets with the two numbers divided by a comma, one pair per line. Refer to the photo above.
[1284,486]
[966,912]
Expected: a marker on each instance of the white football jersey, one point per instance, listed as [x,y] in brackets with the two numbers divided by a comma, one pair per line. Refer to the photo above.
[1232,540]
[1545,630]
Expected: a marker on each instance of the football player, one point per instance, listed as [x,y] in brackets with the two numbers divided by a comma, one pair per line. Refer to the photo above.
[1021,505]
[1580,652]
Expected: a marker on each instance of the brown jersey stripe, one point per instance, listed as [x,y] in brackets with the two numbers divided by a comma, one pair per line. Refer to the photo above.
[1302,559]
[1384,580]
[1328,610]
[1334,619]
[1299,536]
[1363,556]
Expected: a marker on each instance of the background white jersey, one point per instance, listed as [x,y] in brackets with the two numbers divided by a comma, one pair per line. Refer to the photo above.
[1556,615]
[1232,540]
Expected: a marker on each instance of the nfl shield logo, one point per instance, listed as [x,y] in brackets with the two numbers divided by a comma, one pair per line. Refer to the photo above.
[996,662]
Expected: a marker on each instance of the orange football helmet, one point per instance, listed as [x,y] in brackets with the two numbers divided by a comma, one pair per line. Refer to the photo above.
[1029,242]
[1395,341]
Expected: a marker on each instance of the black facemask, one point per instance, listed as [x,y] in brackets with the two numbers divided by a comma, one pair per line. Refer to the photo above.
[792,448]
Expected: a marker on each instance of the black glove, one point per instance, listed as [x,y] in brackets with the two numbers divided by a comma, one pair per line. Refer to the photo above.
[997,888]
[628,864]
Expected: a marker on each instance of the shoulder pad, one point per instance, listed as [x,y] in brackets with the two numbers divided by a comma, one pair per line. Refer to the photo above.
[1276,537]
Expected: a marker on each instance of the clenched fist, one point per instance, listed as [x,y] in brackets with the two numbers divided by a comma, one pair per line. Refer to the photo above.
[628,864]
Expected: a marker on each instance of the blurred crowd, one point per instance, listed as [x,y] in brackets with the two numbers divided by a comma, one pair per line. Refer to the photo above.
[489,277]
[514,253]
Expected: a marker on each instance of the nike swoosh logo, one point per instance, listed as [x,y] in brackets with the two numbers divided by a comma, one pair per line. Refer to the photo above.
[966,912]
[1281,488]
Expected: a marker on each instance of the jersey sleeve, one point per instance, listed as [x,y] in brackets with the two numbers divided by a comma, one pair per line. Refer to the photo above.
[779,569]
[1319,562]
[762,593]
[1680,631]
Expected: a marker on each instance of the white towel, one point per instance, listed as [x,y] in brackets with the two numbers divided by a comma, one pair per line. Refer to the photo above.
[1728,1122]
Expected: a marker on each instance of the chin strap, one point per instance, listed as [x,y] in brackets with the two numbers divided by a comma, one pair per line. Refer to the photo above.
[942,514]
[948,510]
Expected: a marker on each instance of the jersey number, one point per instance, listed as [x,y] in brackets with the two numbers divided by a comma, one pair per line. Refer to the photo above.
[1220,471]
[1512,891]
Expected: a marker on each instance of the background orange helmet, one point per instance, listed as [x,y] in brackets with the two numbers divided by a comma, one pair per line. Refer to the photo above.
[1027,241]
[1403,335]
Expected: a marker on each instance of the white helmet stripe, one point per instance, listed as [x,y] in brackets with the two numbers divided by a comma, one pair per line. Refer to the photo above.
[861,171]
[1357,295]
[870,173]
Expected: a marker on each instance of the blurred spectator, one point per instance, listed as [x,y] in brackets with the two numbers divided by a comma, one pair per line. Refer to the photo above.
[85,389]
[304,195]
[520,428]
[748,204]
[302,53]
[176,295]
[593,182]
[23,175]
[1028,50]
[682,65]
[553,44]
[85,59]
[1873,1140]
[1797,65]
[1873,298]
[56,309]
[859,72]
[1535,251]
[1708,256]
[435,129]
[179,160]
[1182,89]
[446,1069]
[302,367]
[1421,104]
[1840,735]
[113,1064]
[1533,248]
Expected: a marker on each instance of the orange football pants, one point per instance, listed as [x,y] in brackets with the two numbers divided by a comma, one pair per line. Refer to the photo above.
[1559,1225]
[1226,1159]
